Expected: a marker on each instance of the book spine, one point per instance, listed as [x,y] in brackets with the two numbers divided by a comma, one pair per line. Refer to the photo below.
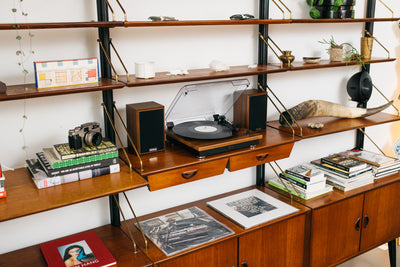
[339,166]
[81,167]
[57,164]
[294,181]
[295,174]
[86,153]
[283,188]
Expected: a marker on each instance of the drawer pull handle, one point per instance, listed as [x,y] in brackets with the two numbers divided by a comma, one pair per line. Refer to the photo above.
[366,221]
[262,157]
[189,174]
[244,264]
[358,224]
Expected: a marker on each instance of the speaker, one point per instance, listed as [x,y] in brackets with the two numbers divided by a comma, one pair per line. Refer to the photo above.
[145,123]
[250,109]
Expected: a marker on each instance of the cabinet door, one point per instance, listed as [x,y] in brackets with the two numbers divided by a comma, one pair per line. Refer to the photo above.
[220,255]
[381,218]
[280,244]
[335,231]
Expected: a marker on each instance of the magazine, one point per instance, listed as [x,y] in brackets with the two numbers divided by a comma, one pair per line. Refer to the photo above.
[183,229]
[251,208]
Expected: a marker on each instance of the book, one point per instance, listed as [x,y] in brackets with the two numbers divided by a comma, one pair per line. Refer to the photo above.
[84,249]
[344,162]
[372,158]
[306,172]
[3,194]
[308,186]
[351,185]
[57,163]
[64,152]
[41,179]
[47,166]
[277,184]
[184,229]
[338,171]
[251,208]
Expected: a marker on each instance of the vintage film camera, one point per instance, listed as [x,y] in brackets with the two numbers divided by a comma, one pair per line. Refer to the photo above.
[88,134]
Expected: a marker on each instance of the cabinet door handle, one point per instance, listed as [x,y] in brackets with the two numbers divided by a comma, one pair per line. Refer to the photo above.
[262,157]
[358,224]
[366,221]
[244,264]
[189,174]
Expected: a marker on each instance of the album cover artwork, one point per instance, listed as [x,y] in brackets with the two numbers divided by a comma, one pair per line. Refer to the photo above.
[177,231]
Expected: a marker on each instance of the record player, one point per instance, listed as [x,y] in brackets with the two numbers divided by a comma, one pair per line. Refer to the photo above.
[200,118]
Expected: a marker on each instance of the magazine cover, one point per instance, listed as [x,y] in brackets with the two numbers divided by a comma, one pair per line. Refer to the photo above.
[251,208]
[80,250]
[183,229]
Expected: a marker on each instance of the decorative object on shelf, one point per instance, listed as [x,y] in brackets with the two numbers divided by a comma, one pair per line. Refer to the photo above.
[178,72]
[359,87]
[287,58]
[145,70]
[315,125]
[331,9]
[3,88]
[366,47]
[85,249]
[57,73]
[183,229]
[217,65]
[87,134]
[162,18]
[311,60]
[337,52]
[321,108]
[241,17]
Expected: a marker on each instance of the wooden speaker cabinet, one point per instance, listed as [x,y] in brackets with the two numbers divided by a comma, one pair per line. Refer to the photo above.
[250,110]
[145,123]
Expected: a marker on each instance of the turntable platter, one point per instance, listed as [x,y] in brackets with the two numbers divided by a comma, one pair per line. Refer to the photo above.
[205,130]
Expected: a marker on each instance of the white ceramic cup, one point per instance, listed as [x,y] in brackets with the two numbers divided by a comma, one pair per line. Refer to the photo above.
[145,70]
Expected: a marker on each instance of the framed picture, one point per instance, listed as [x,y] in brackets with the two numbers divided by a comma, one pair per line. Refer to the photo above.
[251,208]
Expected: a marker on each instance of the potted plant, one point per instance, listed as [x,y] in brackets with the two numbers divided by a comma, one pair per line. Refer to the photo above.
[332,9]
[342,51]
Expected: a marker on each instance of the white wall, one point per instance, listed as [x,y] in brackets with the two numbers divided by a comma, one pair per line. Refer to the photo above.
[50,118]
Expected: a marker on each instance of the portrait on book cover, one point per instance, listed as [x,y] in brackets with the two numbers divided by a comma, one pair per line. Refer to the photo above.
[76,253]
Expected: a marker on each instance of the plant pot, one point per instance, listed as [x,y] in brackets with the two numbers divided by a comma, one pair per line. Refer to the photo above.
[335,54]
[345,2]
[366,47]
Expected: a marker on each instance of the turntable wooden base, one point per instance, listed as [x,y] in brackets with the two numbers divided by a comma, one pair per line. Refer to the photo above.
[201,148]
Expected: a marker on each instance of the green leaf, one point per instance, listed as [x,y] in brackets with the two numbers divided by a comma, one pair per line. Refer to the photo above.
[25,117]
[25,72]
[320,2]
[19,52]
[314,13]
[338,3]
[14,10]
[18,37]
[15,26]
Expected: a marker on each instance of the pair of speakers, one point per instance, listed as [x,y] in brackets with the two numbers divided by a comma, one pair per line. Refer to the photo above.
[145,121]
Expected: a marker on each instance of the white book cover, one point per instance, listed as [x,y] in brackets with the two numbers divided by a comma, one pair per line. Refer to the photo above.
[251,208]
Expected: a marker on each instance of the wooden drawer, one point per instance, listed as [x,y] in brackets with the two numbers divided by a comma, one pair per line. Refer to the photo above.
[258,157]
[186,174]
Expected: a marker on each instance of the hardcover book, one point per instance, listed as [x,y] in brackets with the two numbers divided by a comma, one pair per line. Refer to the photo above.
[308,186]
[337,171]
[85,249]
[343,162]
[251,208]
[183,229]
[372,158]
[275,183]
[306,172]
[63,151]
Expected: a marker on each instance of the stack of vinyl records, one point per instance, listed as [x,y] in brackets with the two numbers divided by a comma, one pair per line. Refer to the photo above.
[343,172]
[60,164]
[2,189]
[303,180]
[381,165]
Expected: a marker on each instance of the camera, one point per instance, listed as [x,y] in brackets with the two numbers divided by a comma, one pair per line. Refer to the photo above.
[88,134]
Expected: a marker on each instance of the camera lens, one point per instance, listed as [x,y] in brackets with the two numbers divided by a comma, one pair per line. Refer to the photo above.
[93,138]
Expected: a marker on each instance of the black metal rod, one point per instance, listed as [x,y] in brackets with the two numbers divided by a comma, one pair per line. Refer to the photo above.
[392,252]
[260,175]
[104,36]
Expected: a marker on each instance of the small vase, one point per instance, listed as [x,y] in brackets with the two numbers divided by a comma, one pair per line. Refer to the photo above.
[286,58]
[366,47]
[336,54]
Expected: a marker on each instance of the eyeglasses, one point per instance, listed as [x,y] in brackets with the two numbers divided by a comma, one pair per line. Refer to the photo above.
[162,18]
[241,16]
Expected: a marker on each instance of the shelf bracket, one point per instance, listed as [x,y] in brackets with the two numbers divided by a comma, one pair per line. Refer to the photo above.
[283,12]
[130,140]
[379,91]
[372,141]
[123,10]
[387,7]
[370,35]
[119,139]
[108,59]
[283,183]
[137,221]
[112,10]
[277,47]
[127,226]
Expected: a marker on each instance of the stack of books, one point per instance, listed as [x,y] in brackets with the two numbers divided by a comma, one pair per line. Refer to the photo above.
[303,180]
[381,165]
[60,164]
[2,189]
[343,172]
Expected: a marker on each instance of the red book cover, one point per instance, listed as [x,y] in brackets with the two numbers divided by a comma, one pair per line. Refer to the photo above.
[80,250]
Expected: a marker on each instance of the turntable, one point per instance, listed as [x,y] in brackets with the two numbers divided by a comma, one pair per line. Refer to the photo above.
[201,115]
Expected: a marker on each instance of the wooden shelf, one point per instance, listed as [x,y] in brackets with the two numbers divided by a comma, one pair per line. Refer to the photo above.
[201,74]
[63,25]
[15,92]
[343,20]
[298,65]
[335,125]
[23,198]
[116,241]
[176,156]
[204,22]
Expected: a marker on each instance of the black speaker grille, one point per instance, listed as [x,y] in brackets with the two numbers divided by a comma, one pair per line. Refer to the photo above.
[152,130]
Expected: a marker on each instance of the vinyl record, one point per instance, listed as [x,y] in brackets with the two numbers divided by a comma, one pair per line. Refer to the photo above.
[202,130]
